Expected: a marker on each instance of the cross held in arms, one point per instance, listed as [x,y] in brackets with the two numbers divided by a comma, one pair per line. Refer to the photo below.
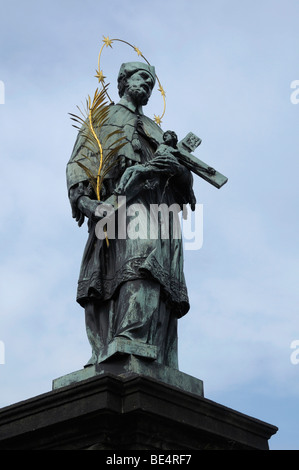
[185,147]
[184,155]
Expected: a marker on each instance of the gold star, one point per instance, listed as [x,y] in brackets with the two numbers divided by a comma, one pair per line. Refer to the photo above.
[100,76]
[107,41]
[138,51]
[161,90]
[158,120]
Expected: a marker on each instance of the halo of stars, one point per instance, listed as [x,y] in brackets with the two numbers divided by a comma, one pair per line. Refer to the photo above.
[107,42]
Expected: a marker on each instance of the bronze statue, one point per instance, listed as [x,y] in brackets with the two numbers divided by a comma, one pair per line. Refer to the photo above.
[133,288]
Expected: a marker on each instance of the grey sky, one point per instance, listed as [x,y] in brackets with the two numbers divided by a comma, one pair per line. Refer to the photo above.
[227,68]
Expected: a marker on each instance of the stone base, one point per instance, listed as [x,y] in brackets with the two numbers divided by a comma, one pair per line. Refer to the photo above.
[128,365]
[125,412]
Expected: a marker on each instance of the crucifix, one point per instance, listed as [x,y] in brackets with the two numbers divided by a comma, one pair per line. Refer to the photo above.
[185,147]
[183,153]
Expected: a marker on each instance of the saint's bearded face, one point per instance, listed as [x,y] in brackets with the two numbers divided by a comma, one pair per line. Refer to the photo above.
[139,87]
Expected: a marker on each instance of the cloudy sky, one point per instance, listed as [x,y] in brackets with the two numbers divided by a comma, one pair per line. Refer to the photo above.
[227,69]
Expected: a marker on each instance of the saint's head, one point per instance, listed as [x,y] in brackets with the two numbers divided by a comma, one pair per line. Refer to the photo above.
[136,81]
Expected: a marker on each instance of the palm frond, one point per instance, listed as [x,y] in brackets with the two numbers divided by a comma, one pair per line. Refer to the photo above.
[91,121]
[109,167]
[91,178]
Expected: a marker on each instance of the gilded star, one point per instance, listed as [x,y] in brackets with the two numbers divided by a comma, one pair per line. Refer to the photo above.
[161,90]
[100,76]
[107,41]
[138,51]
[158,120]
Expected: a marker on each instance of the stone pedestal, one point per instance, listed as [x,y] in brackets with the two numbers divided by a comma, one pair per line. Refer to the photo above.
[125,365]
[123,406]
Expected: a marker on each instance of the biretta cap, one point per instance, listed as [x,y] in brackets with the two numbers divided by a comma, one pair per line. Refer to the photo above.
[132,67]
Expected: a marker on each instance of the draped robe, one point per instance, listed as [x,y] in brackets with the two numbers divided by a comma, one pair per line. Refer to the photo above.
[135,287]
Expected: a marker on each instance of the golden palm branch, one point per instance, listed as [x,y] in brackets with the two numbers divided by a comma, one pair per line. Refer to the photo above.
[92,118]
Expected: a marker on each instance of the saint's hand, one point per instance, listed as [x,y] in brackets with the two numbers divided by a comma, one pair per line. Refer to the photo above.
[132,179]
[88,207]
[166,164]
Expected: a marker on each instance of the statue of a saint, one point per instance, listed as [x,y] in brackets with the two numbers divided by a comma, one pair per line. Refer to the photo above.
[134,288]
